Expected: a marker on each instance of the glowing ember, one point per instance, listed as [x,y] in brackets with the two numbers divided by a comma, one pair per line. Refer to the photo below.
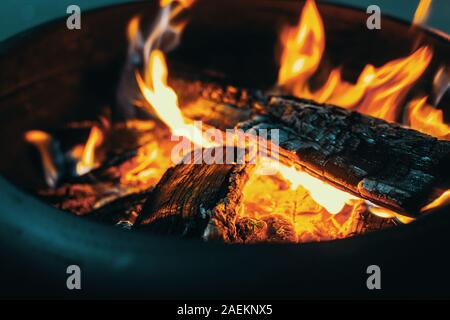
[266,197]
[325,195]
[427,119]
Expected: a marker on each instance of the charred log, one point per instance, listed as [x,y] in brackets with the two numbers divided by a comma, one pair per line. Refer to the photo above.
[382,162]
[216,104]
[204,201]
[122,212]
[196,200]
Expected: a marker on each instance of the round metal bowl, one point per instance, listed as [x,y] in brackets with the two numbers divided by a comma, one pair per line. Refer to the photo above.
[50,74]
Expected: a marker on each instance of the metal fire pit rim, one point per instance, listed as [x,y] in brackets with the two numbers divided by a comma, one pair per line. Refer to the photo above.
[104,242]
[17,38]
[21,37]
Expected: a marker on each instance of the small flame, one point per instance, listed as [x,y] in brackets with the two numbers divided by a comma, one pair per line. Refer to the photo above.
[427,119]
[388,214]
[303,47]
[164,100]
[133,29]
[42,141]
[444,199]
[144,170]
[422,12]
[88,161]
[183,3]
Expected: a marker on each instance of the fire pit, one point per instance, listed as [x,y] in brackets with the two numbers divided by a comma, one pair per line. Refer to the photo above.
[91,126]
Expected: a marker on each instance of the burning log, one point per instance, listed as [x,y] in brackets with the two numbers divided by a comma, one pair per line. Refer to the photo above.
[207,201]
[385,163]
[210,100]
[138,155]
[196,200]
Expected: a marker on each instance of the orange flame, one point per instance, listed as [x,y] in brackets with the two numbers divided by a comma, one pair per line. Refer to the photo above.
[88,161]
[42,140]
[146,158]
[165,101]
[183,3]
[303,47]
[391,82]
[387,214]
[378,91]
[133,29]
[328,197]
[422,12]
[442,200]
[427,119]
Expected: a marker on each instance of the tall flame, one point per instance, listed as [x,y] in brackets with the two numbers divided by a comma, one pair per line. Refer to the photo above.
[164,100]
[303,47]
[391,82]
[378,91]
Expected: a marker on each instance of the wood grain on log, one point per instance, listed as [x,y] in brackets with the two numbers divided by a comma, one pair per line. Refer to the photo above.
[387,164]
[204,201]
[220,106]
[196,200]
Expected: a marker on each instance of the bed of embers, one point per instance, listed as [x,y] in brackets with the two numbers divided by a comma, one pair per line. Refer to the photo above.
[343,166]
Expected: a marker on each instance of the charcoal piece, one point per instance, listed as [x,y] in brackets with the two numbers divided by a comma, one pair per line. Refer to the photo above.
[122,212]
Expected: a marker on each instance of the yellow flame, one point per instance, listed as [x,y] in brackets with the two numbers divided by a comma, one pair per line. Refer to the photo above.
[427,119]
[378,91]
[183,3]
[302,48]
[442,200]
[164,100]
[391,82]
[330,198]
[133,29]
[387,214]
[42,140]
[88,161]
[422,12]
[145,159]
